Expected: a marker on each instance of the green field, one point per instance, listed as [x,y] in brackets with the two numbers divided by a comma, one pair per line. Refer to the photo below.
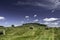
[30,32]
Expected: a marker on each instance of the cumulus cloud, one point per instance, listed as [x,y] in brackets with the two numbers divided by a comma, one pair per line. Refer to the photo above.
[35,15]
[52,22]
[56,23]
[26,16]
[36,20]
[46,23]
[2,18]
[50,19]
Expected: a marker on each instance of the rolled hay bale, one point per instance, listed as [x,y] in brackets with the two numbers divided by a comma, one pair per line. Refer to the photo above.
[46,28]
[2,32]
[31,27]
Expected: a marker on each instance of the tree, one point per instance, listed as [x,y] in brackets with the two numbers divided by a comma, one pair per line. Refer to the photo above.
[13,26]
[1,26]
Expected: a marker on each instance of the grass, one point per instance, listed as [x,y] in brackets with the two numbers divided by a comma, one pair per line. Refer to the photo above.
[25,33]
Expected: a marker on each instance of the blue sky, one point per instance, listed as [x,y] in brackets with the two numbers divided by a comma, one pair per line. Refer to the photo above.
[18,12]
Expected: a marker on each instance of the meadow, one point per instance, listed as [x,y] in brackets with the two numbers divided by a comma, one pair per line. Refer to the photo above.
[30,32]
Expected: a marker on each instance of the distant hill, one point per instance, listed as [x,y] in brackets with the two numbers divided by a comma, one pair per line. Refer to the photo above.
[35,24]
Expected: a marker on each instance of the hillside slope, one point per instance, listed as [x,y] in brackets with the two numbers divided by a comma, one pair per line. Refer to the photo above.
[30,32]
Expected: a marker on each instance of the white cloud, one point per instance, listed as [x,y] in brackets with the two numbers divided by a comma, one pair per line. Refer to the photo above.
[53,1]
[26,16]
[53,10]
[46,23]
[50,19]
[36,20]
[49,4]
[35,15]
[32,3]
[52,24]
[17,25]
[28,19]
[22,22]
[2,18]
[56,23]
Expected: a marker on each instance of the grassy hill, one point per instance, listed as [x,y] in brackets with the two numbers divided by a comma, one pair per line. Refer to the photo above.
[30,31]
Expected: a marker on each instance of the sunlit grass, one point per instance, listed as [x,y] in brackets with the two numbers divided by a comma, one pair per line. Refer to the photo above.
[25,33]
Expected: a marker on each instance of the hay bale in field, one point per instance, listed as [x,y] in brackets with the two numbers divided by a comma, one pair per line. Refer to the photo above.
[2,32]
[31,27]
[46,28]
